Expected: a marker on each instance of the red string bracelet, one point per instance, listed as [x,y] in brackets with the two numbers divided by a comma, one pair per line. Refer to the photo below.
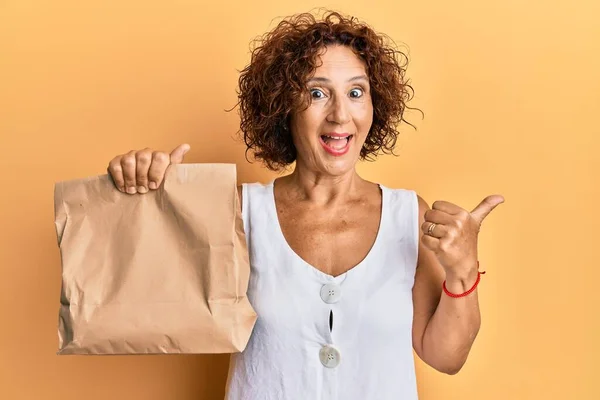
[468,292]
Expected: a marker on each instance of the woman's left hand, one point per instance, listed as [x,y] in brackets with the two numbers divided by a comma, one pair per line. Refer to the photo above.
[453,238]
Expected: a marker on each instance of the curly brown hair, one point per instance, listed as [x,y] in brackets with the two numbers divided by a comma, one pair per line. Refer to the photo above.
[273,85]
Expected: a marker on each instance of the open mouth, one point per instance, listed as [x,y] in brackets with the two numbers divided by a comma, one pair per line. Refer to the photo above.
[336,145]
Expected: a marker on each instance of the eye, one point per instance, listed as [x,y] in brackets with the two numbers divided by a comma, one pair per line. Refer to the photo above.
[316,94]
[356,93]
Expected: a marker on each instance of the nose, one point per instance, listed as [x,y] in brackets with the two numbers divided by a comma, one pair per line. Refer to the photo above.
[339,112]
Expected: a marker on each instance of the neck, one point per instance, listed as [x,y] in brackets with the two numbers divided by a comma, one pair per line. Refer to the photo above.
[319,188]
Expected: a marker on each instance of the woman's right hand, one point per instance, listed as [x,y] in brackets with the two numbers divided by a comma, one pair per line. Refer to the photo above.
[143,170]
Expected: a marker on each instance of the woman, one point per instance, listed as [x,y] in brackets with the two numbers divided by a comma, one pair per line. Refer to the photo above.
[348,276]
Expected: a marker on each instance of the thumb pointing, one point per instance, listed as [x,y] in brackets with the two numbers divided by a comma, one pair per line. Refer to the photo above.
[486,206]
[178,153]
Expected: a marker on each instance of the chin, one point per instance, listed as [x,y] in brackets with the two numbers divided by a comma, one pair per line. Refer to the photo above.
[339,167]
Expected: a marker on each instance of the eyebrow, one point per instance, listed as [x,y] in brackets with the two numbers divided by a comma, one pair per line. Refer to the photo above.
[326,80]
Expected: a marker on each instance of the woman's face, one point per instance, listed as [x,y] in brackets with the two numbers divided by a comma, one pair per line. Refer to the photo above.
[330,133]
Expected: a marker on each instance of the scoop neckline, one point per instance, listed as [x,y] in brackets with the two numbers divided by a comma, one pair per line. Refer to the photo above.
[311,268]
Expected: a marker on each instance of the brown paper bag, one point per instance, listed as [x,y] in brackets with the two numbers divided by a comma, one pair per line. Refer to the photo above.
[162,272]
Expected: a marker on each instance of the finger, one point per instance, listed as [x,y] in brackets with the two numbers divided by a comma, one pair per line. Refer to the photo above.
[446,207]
[430,242]
[438,231]
[128,166]
[143,159]
[156,173]
[116,173]
[177,155]
[439,217]
[486,206]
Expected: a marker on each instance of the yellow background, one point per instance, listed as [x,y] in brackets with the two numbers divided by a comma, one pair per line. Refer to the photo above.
[511,95]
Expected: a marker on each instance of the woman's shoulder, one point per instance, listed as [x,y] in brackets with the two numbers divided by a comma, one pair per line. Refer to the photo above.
[404,193]
[251,185]
[398,190]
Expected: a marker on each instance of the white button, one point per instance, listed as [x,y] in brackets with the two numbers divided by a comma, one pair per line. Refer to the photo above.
[329,356]
[331,293]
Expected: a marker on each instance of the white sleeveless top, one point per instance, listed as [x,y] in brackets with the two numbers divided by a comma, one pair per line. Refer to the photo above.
[319,337]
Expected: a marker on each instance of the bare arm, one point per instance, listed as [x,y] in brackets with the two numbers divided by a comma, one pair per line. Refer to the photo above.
[444,328]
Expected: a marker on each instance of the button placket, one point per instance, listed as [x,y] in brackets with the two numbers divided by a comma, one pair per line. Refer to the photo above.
[329,354]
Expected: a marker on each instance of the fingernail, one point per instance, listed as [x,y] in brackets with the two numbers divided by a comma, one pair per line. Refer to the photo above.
[152,185]
[131,189]
[142,189]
